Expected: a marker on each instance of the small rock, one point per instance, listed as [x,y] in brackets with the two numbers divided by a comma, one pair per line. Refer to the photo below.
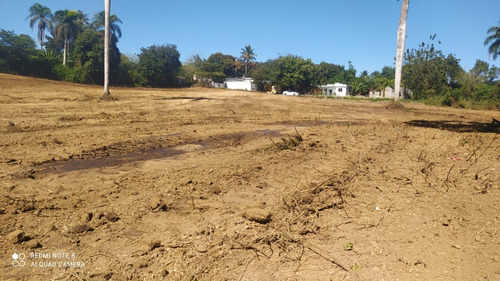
[215,189]
[27,208]
[15,237]
[257,215]
[112,216]
[201,248]
[33,244]
[143,264]
[86,217]
[154,244]
[107,275]
[164,272]
[65,228]
[157,204]
[80,228]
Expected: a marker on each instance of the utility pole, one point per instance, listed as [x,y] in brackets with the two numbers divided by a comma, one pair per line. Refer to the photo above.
[107,4]
[400,49]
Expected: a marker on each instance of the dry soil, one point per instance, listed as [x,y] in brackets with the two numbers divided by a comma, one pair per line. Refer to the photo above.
[205,184]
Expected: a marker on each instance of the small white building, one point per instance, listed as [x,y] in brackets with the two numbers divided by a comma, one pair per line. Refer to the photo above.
[244,83]
[335,90]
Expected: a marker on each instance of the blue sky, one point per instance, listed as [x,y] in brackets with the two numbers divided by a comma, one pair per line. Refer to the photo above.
[335,31]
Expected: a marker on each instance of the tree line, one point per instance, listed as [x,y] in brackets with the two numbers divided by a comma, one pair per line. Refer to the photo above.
[71,49]
[438,78]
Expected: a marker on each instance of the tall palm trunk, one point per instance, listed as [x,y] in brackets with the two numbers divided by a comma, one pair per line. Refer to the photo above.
[41,34]
[64,52]
[400,49]
[107,4]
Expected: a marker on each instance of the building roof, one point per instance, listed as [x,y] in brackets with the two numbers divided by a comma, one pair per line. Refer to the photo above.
[238,79]
[334,85]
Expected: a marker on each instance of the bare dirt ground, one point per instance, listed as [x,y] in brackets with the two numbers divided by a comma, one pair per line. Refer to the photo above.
[203,184]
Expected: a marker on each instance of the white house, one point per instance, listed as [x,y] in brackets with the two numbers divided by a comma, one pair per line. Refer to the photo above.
[336,90]
[244,83]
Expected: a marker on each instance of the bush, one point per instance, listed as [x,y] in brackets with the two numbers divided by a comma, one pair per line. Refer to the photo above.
[453,98]
[66,73]
[159,65]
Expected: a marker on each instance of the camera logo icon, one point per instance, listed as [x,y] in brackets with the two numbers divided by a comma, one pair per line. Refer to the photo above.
[18,260]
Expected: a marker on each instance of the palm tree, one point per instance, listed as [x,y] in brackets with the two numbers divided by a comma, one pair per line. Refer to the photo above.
[107,4]
[42,15]
[82,18]
[248,56]
[68,25]
[99,22]
[400,47]
[494,39]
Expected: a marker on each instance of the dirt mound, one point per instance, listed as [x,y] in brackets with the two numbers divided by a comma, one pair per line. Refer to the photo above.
[395,105]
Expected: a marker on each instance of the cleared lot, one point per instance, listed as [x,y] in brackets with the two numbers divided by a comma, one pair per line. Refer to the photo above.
[202,184]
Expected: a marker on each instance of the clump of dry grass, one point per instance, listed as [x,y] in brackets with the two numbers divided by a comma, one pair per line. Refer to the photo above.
[288,142]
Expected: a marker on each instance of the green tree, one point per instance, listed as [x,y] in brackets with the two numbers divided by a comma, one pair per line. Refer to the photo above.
[361,86]
[380,83]
[350,73]
[160,64]
[264,73]
[388,72]
[88,54]
[427,72]
[328,73]
[239,68]
[494,40]
[18,55]
[42,15]
[68,24]
[480,70]
[190,68]
[452,70]
[98,23]
[129,72]
[483,72]
[217,67]
[248,55]
[15,52]
[293,73]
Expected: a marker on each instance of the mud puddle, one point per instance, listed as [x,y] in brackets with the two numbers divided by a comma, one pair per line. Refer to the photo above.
[312,123]
[94,160]
[126,154]
[108,161]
